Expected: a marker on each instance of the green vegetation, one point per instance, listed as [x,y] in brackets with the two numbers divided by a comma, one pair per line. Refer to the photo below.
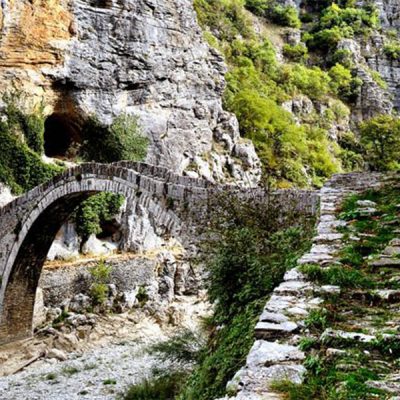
[93,213]
[51,376]
[326,374]
[344,375]
[21,138]
[342,276]
[380,137]
[70,370]
[339,22]
[392,49]
[317,320]
[109,382]
[142,296]
[164,387]
[258,85]
[298,151]
[101,277]
[248,249]
[249,253]
[295,53]
[183,348]
[122,140]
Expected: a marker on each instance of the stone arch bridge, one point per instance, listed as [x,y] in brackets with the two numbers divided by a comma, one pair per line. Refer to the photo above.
[28,225]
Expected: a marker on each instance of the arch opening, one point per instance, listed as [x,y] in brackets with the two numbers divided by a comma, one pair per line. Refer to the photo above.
[62,135]
[19,297]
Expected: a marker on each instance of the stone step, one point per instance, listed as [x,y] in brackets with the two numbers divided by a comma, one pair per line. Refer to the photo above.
[294,275]
[331,238]
[377,296]
[265,353]
[292,305]
[350,338]
[335,335]
[391,251]
[319,259]
[390,384]
[269,330]
[388,262]
[295,288]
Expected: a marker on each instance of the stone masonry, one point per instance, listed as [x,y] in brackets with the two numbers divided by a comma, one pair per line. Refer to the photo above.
[28,225]
[275,355]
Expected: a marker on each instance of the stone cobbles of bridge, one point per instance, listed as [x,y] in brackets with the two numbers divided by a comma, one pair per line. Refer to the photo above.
[175,205]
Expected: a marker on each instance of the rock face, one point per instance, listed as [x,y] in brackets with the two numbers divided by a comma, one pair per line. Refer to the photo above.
[374,99]
[146,58]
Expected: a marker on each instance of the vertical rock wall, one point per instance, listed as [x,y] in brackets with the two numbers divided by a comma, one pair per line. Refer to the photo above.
[142,57]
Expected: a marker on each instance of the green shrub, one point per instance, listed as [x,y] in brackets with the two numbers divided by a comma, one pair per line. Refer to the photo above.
[122,140]
[258,7]
[392,50]
[344,84]
[285,16]
[296,53]
[142,296]
[343,57]
[317,320]
[20,167]
[183,348]
[101,277]
[247,254]
[338,22]
[164,387]
[380,137]
[93,213]
[22,138]
[342,276]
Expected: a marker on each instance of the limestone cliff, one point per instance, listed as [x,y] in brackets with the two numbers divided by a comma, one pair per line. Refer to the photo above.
[146,57]
[368,55]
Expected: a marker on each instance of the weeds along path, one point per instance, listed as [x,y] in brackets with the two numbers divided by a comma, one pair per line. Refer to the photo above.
[329,331]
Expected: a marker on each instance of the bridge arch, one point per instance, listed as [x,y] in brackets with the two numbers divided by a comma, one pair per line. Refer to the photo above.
[176,205]
[35,232]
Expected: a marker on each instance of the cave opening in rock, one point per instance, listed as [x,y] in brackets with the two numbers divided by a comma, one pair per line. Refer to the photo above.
[61,136]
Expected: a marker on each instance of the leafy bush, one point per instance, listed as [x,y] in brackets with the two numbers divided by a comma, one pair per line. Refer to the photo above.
[258,7]
[101,277]
[21,137]
[247,253]
[392,50]
[183,348]
[33,127]
[285,16]
[164,387]
[20,167]
[122,140]
[296,53]
[338,22]
[95,212]
[380,137]
[344,84]
[342,276]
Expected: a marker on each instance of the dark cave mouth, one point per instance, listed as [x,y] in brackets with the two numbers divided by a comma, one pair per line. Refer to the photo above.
[62,136]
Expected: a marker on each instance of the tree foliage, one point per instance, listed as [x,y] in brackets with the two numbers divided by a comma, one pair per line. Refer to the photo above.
[91,214]
[122,140]
[249,249]
[380,137]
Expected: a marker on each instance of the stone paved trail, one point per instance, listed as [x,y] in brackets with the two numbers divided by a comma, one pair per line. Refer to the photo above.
[276,355]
